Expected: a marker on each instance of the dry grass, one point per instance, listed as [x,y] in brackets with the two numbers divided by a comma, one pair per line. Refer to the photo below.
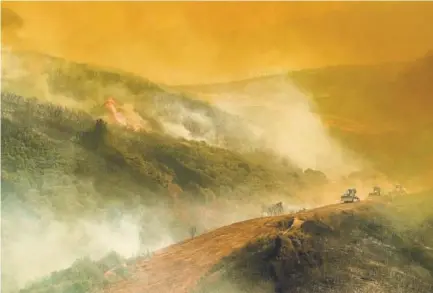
[324,246]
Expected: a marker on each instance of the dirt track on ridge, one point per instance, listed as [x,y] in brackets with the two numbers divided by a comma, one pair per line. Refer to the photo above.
[178,268]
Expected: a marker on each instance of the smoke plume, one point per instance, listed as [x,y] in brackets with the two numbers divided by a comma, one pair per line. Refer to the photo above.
[282,119]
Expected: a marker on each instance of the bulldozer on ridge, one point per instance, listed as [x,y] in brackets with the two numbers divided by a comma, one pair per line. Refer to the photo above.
[349,196]
[376,191]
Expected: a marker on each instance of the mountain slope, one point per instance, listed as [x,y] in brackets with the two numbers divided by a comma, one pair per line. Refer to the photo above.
[367,246]
[86,87]
[375,245]
[335,250]
[70,142]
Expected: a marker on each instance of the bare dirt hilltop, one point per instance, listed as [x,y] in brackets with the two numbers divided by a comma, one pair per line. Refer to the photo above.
[372,246]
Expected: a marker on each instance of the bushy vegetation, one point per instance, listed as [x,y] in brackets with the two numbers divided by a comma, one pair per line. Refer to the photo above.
[41,138]
[83,276]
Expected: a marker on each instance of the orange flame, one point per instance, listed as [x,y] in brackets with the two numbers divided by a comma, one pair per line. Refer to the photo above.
[117,116]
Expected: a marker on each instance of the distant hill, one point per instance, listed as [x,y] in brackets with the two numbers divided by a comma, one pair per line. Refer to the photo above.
[370,247]
[382,112]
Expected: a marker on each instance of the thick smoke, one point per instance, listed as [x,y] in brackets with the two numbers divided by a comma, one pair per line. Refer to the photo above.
[39,238]
[43,233]
[26,75]
[284,121]
[182,121]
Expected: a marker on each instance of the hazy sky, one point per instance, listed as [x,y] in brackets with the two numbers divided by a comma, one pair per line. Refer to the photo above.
[192,42]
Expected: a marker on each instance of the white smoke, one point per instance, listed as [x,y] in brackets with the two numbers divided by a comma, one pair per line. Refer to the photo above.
[283,120]
[38,238]
[177,118]
[25,75]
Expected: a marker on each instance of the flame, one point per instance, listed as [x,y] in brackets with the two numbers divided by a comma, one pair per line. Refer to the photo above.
[118,117]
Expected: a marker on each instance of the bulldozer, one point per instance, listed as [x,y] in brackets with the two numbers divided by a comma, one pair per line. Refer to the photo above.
[376,191]
[349,196]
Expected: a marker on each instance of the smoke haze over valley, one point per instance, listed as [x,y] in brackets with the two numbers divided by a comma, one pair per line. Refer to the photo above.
[133,155]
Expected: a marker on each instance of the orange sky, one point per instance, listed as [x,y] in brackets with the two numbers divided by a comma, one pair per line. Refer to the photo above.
[189,42]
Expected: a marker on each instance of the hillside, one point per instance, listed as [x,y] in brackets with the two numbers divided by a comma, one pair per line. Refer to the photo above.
[87,87]
[369,247]
[380,246]
[382,112]
[374,245]
[41,141]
